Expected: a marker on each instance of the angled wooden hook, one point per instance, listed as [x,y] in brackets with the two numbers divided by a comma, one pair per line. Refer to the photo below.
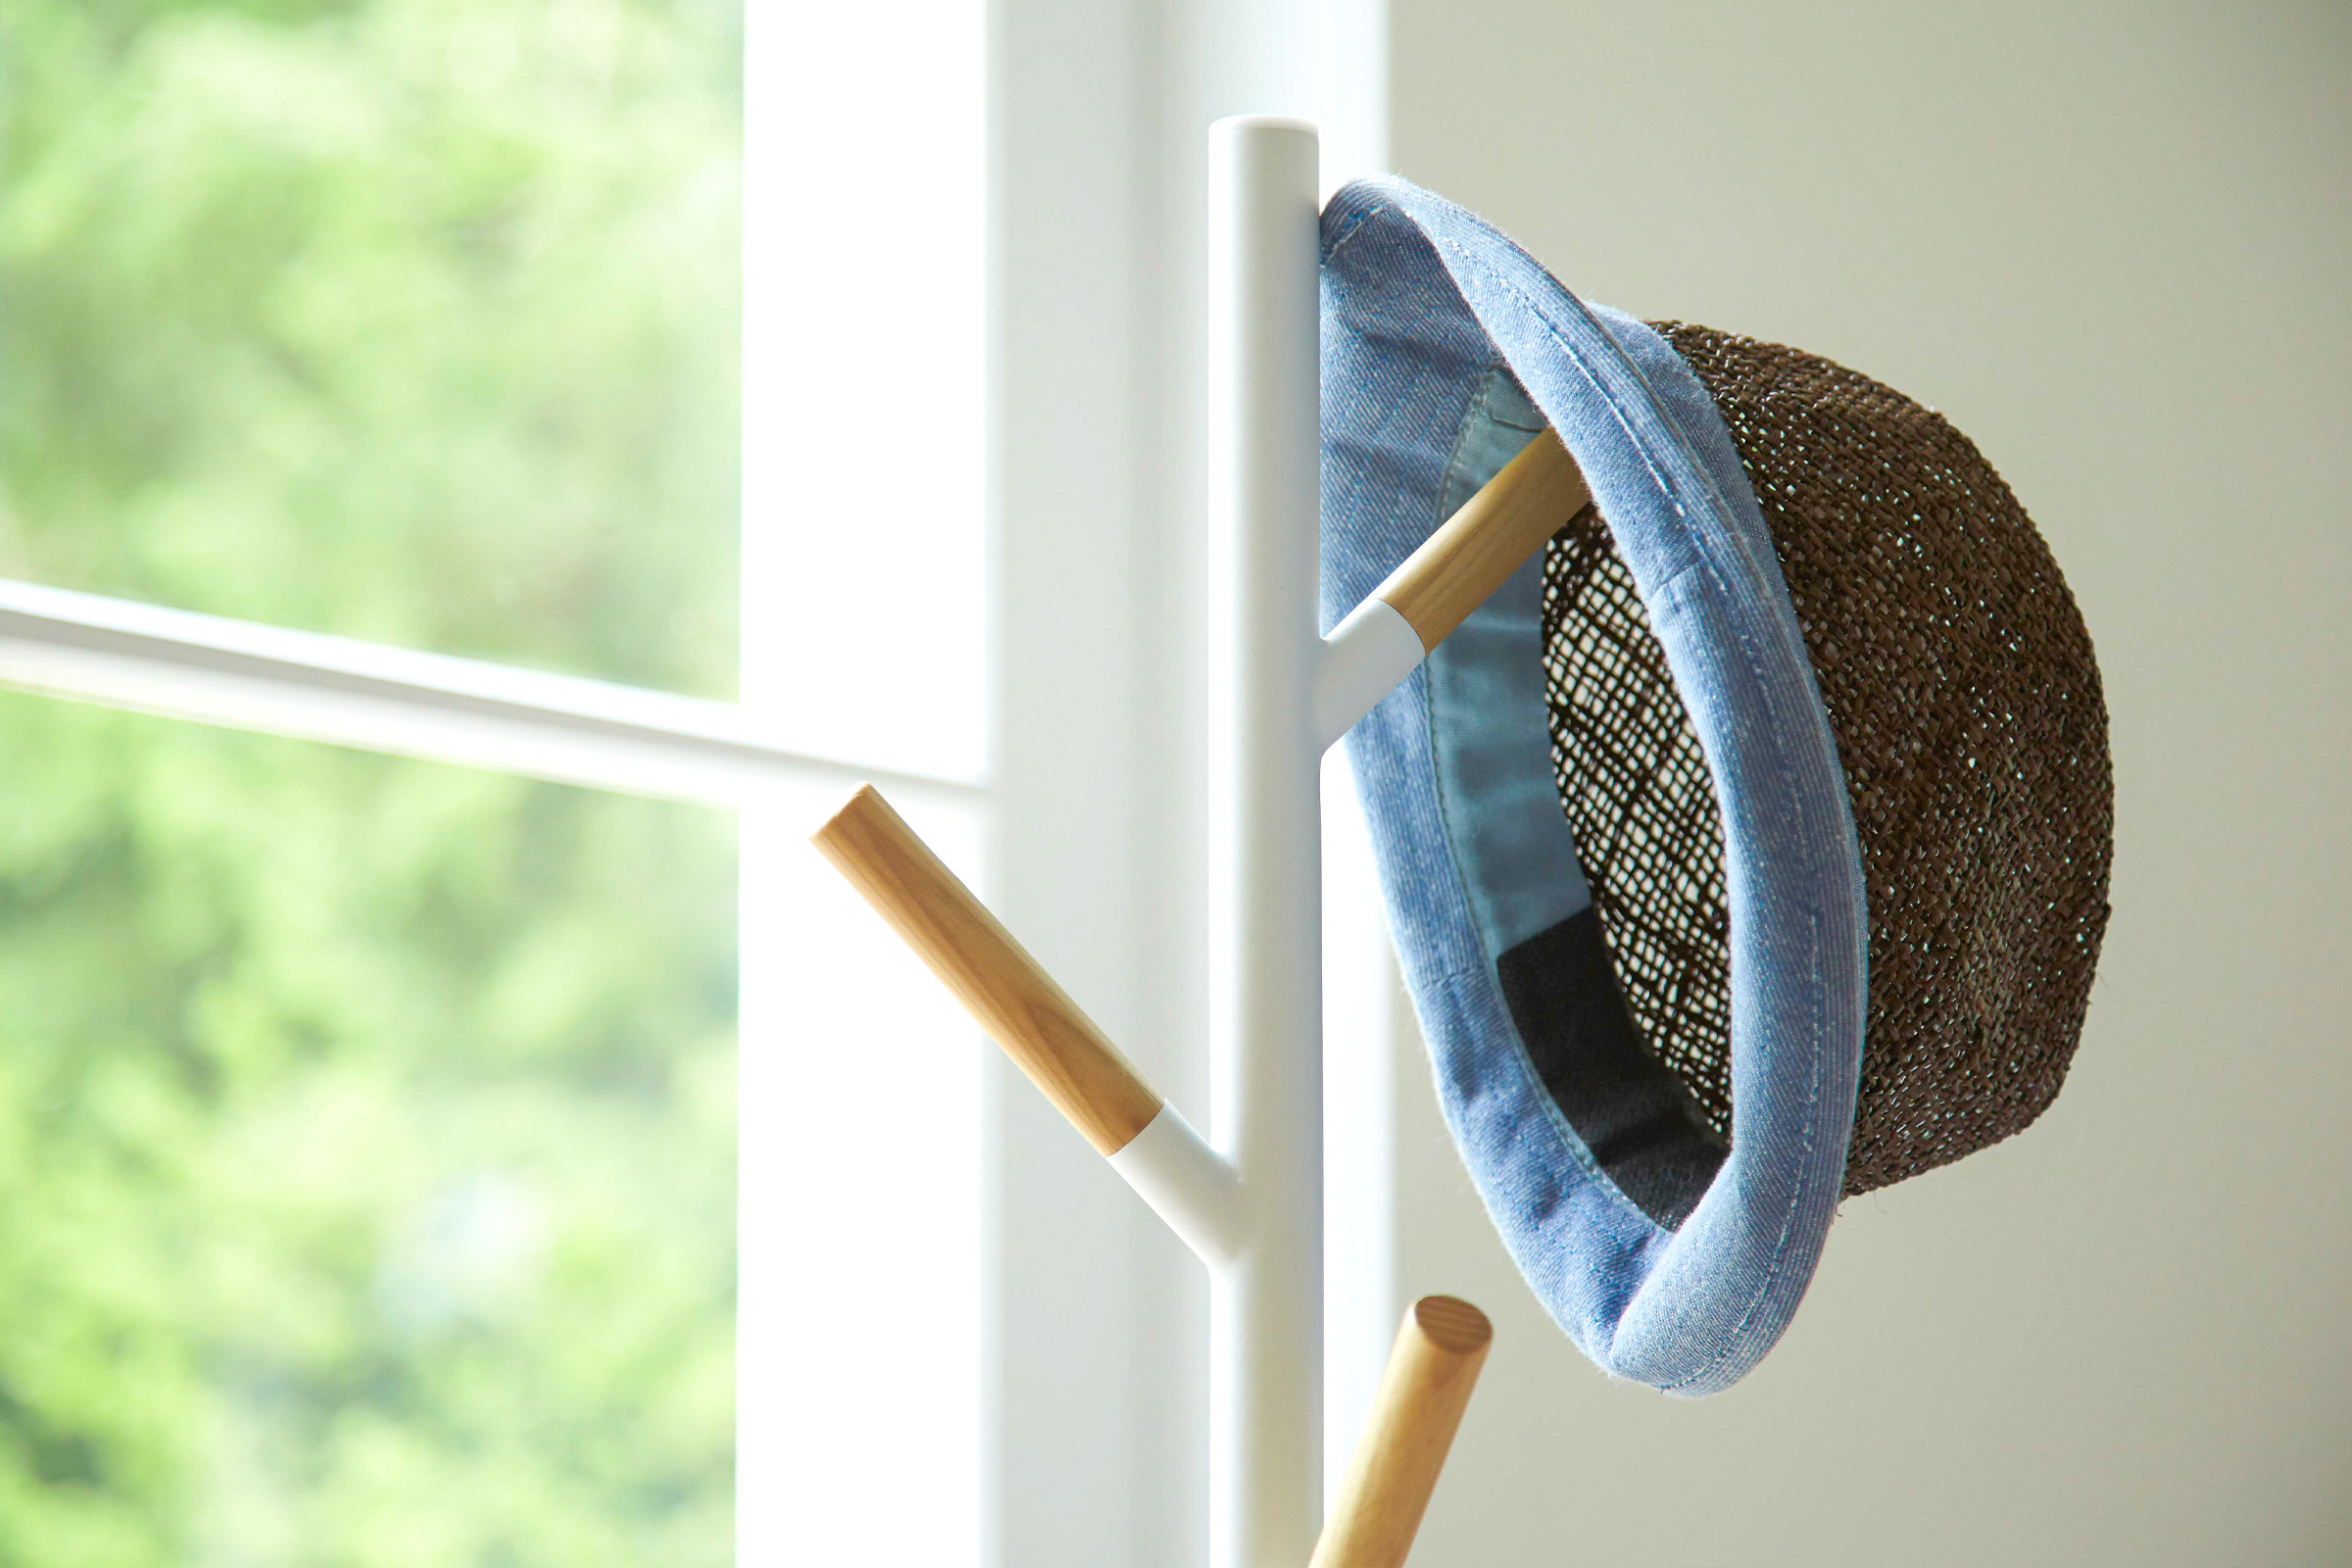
[1439,1350]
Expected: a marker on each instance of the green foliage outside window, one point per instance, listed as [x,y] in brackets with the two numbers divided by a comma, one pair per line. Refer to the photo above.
[367,1126]
[411,319]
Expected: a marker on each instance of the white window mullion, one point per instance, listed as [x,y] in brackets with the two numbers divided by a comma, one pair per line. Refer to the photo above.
[859,1437]
[864,572]
[380,698]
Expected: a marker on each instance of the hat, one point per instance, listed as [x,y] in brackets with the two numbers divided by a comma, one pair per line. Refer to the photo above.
[1746,849]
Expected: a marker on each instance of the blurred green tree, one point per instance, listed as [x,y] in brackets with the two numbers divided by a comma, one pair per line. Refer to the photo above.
[367,1126]
[411,319]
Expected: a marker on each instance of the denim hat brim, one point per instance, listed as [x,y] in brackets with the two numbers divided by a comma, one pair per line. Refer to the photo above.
[1444,348]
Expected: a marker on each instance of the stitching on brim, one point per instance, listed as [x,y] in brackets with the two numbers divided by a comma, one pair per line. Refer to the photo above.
[1355,226]
[1563,1132]
[1777,1259]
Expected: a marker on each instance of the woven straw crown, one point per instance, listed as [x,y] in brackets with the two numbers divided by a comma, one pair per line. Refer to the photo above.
[1959,683]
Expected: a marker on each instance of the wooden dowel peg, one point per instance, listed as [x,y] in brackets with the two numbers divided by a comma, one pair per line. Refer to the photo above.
[1014,999]
[1422,1395]
[1482,544]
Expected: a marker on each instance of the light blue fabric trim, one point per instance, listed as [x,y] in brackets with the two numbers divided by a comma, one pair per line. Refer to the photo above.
[1421,300]
[1487,715]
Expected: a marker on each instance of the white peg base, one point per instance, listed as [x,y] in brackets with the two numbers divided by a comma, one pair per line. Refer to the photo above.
[1188,1183]
[1361,662]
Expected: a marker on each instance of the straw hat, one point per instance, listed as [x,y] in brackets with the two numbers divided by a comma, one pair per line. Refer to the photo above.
[1750,847]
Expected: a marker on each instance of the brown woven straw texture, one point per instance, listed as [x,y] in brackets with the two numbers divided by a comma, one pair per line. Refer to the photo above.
[1965,706]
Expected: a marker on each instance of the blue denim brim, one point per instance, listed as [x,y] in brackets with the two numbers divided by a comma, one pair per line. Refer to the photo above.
[1444,347]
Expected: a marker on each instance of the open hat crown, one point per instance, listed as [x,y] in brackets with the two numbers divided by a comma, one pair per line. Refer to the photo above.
[1959,682]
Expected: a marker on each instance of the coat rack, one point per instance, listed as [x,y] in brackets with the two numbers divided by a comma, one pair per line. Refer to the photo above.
[1250,1203]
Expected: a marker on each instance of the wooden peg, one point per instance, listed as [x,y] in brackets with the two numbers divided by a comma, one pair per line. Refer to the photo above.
[1482,544]
[1014,999]
[1422,1395]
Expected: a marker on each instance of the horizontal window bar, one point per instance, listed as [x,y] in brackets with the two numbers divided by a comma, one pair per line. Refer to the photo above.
[379,697]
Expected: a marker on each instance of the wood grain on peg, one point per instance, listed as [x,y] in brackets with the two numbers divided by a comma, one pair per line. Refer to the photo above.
[1014,999]
[1484,543]
[1422,1395]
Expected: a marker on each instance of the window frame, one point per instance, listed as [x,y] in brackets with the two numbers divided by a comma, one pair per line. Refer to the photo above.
[1091,806]
[566,729]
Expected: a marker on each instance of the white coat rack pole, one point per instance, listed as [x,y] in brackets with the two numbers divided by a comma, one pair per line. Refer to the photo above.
[1252,1207]
[1265,834]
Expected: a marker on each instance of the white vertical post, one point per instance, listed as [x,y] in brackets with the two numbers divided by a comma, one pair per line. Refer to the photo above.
[1266,1052]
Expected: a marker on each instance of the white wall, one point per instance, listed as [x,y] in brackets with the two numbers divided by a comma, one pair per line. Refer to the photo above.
[2113,243]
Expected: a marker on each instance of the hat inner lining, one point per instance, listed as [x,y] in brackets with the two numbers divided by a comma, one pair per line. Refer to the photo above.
[1489,695]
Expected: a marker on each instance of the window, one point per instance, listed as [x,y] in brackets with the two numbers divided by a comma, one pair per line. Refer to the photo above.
[616,426]
[370,373]
[369,1135]
[407,319]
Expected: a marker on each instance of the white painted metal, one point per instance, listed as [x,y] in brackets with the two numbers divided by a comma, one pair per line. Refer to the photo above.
[1361,662]
[1362,998]
[318,687]
[1265,1038]
[1188,1183]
